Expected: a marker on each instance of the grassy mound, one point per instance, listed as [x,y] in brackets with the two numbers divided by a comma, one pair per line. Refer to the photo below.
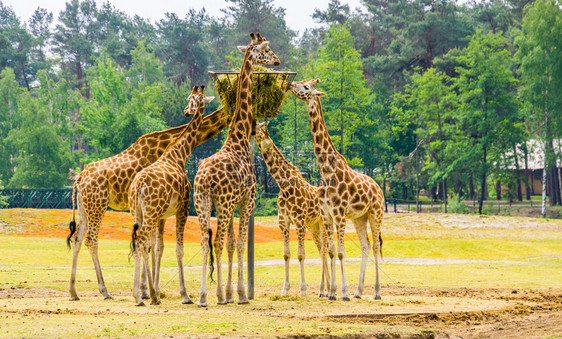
[268,92]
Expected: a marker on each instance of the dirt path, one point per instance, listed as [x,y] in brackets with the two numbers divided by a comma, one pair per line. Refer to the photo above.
[444,313]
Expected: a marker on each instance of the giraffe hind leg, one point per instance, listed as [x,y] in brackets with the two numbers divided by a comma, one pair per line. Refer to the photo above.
[94,225]
[77,239]
[375,221]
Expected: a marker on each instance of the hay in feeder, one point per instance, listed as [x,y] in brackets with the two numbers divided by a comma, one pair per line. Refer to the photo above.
[269,89]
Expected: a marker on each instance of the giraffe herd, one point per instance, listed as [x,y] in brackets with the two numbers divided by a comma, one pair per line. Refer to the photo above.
[149,179]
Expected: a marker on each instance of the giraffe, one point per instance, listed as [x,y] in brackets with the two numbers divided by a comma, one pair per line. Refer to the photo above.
[105,183]
[298,205]
[227,179]
[160,191]
[344,194]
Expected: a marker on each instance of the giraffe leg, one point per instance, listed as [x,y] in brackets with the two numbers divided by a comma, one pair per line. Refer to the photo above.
[301,254]
[339,221]
[203,206]
[246,210]
[361,229]
[284,226]
[328,224]
[158,251]
[136,286]
[224,215]
[144,285]
[181,218]
[230,247]
[76,244]
[94,224]
[375,221]
[316,229]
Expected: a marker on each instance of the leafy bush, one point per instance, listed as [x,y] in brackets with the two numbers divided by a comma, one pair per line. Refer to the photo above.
[266,207]
[457,205]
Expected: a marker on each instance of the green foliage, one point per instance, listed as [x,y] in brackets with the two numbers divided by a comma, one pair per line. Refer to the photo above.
[339,68]
[457,205]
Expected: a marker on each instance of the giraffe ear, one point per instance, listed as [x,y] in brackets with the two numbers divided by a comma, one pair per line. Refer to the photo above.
[209,99]
[242,48]
[262,124]
[262,46]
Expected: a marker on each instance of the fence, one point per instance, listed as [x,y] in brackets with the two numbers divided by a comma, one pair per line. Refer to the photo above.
[57,198]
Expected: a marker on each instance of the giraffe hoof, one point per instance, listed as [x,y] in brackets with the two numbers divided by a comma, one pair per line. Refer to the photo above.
[222,302]
[145,295]
[187,302]
[155,302]
[357,296]
[74,298]
[243,302]
[345,299]
[332,298]
[377,297]
[230,301]
[141,304]
[108,297]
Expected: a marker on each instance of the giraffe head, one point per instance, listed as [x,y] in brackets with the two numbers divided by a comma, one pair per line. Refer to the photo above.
[305,90]
[262,136]
[260,51]
[196,98]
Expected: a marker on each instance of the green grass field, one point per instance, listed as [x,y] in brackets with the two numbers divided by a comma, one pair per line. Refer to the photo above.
[499,253]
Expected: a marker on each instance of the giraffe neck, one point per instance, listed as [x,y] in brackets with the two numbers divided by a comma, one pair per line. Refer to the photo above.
[243,119]
[180,149]
[149,147]
[323,145]
[279,167]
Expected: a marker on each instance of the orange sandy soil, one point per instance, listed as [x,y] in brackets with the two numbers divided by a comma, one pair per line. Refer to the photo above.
[116,225]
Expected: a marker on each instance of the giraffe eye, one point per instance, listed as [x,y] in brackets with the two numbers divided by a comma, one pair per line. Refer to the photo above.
[306,87]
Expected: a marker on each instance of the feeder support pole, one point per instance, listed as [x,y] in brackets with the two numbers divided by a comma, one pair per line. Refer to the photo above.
[251,228]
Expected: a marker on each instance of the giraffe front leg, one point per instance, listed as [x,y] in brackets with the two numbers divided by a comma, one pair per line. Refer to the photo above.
[203,207]
[329,226]
[361,230]
[340,227]
[301,255]
[283,225]
[245,212]
[230,247]
[318,235]
[181,219]
[157,256]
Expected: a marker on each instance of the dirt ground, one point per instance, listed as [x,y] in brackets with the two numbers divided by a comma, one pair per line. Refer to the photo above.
[441,313]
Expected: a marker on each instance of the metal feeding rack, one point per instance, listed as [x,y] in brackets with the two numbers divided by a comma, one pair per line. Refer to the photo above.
[263,109]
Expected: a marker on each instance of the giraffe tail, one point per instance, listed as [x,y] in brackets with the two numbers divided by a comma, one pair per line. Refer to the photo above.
[138,220]
[72,226]
[133,239]
[212,258]
[380,242]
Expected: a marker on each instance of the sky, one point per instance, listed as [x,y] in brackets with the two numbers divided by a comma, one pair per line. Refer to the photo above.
[298,14]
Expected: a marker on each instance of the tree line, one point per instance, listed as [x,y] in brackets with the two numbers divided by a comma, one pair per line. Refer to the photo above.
[425,96]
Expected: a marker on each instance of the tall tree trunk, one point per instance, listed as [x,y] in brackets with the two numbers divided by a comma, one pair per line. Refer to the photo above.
[499,189]
[482,183]
[445,194]
[543,205]
[517,174]
[471,192]
[528,179]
